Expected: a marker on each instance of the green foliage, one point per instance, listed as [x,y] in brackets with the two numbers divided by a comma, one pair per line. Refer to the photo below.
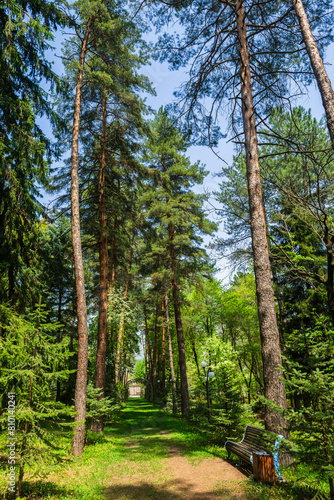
[122,392]
[228,414]
[32,361]
[116,307]
[241,327]
[297,178]
[228,410]
[139,370]
[202,310]
[25,149]
[310,380]
[230,313]
[98,408]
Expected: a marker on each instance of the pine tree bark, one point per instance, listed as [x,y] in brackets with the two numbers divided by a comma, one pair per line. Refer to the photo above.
[170,352]
[81,380]
[150,393]
[154,357]
[320,73]
[271,354]
[327,96]
[59,336]
[330,272]
[97,425]
[112,258]
[163,352]
[179,328]
[122,320]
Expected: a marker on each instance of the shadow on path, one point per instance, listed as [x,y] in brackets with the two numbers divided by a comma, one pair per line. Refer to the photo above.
[182,490]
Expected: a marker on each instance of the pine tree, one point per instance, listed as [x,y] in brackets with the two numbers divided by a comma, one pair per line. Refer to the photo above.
[112,124]
[235,54]
[177,211]
[318,67]
[106,84]
[81,380]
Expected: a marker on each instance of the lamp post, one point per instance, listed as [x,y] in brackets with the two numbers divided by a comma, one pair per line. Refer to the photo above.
[208,374]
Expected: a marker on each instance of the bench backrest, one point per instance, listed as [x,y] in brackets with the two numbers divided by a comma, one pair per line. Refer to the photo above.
[258,438]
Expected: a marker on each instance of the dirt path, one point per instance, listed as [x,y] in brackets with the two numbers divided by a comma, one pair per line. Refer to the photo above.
[208,479]
[160,467]
[212,478]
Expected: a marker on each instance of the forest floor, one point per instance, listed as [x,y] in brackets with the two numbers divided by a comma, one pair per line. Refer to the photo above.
[149,454]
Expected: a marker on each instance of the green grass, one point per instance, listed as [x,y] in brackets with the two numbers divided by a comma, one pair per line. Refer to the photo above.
[137,443]
[133,441]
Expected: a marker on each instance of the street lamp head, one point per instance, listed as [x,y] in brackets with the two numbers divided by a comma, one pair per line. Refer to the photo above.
[211,374]
[203,364]
[205,379]
[158,381]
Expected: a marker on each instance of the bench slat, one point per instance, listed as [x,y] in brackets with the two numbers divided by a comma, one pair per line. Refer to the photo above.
[254,439]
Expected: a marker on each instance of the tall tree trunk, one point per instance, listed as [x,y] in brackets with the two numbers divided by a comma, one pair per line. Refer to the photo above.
[271,354]
[179,329]
[124,373]
[196,360]
[97,425]
[111,277]
[330,272]
[154,356]
[59,339]
[323,81]
[144,344]
[170,352]
[81,381]
[163,353]
[122,320]
[150,363]
[281,316]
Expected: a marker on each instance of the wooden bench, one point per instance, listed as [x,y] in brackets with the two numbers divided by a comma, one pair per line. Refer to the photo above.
[255,440]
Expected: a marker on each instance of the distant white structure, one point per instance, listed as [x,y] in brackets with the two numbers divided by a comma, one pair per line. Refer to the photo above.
[134,390]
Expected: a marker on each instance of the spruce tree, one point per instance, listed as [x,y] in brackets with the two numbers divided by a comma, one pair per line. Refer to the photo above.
[26,78]
[32,361]
[311,374]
